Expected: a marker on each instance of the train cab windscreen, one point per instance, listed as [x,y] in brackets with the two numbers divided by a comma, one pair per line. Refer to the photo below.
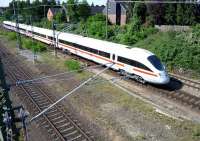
[156,62]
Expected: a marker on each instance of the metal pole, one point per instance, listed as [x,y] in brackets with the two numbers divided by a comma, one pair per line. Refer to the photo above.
[107,19]
[34,51]
[44,11]
[18,46]
[54,38]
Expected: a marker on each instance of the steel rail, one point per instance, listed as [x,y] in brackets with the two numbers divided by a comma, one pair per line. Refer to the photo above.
[51,101]
[186,81]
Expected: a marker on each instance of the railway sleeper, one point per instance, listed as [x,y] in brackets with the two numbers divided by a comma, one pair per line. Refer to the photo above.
[71,134]
[54,114]
[44,103]
[43,122]
[40,100]
[60,122]
[57,118]
[63,125]
[52,111]
[38,96]
[44,107]
[75,138]
[66,130]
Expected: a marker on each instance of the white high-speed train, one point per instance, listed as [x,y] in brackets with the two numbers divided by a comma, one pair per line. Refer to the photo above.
[136,63]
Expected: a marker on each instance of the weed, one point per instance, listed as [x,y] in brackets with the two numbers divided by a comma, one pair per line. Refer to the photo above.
[72,64]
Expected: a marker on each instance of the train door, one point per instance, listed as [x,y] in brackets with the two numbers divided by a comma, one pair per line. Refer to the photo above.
[113,57]
[114,60]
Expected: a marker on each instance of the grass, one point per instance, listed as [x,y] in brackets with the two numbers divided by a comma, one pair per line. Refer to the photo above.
[27,43]
[72,65]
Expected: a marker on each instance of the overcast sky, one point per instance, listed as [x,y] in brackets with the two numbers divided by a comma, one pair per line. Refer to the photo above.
[4,3]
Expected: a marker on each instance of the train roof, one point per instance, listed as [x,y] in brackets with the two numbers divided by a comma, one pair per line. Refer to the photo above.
[91,42]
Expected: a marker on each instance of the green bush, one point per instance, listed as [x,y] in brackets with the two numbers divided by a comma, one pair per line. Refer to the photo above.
[11,35]
[72,65]
[33,45]
[174,50]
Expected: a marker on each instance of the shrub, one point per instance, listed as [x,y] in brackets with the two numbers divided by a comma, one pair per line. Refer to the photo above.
[72,65]
[33,45]
[11,35]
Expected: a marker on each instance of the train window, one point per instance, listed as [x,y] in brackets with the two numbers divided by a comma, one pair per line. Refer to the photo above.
[82,47]
[104,54]
[132,63]
[155,62]
[65,42]
[124,60]
[142,66]
[38,34]
[29,31]
[50,38]
[93,51]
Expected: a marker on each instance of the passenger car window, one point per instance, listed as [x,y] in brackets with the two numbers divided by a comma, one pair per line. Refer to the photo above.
[133,63]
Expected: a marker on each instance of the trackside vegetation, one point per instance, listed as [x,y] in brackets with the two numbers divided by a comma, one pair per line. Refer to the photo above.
[27,43]
[72,64]
[176,49]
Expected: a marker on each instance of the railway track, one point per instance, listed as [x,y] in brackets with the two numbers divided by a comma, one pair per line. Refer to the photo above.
[188,82]
[171,93]
[56,122]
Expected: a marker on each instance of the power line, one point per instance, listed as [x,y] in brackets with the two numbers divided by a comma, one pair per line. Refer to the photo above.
[19,82]
[158,2]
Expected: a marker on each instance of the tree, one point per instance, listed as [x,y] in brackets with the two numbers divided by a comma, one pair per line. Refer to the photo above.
[170,14]
[189,18]
[180,14]
[139,11]
[156,11]
[83,10]
[72,10]
[60,17]
[96,26]
[52,2]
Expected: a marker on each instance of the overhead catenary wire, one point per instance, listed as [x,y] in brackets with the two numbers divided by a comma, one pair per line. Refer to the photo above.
[157,2]
[71,92]
[19,82]
[128,1]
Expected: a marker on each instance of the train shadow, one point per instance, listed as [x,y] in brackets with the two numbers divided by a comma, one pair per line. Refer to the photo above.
[173,85]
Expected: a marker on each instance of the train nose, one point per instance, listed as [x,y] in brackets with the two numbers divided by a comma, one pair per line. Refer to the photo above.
[164,78]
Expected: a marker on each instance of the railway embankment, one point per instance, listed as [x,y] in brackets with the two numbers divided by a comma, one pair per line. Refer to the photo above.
[112,112]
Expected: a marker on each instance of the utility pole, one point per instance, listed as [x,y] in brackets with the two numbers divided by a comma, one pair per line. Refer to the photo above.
[16,12]
[34,51]
[107,19]
[54,37]
[44,11]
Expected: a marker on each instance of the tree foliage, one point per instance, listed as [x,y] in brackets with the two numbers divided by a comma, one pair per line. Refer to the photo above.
[72,10]
[83,10]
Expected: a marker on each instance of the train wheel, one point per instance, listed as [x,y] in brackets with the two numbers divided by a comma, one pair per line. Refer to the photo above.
[141,80]
[122,72]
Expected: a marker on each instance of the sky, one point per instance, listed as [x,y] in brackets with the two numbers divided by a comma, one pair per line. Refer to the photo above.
[4,3]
